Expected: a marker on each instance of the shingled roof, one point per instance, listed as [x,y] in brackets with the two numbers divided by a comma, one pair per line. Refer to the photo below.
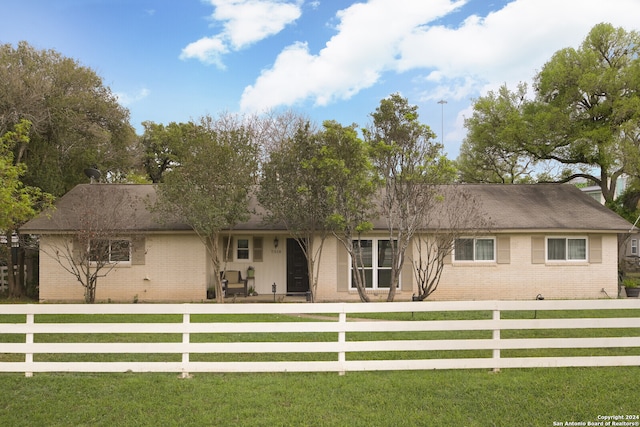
[134,201]
[549,207]
[545,207]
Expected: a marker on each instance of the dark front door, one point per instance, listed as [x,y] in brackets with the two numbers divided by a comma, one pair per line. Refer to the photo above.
[297,273]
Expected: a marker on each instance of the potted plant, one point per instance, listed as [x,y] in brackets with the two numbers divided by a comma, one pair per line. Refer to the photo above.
[251,271]
[631,287]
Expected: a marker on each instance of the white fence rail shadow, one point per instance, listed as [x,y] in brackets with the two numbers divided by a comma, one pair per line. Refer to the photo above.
[336,319]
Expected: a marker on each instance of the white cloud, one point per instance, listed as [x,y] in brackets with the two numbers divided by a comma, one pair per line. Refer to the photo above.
[507,46]
[126,99]
[249,21]
[366,43]
[244,22]
[207,49]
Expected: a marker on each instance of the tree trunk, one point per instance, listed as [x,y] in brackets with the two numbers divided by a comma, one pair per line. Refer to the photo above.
[397,257]
[395,279]
[90,289]
[212,243]
[313,279]
[313,262]
[20,270]
[359,278]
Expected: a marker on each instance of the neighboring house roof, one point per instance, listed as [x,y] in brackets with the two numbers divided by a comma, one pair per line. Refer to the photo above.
[549,207]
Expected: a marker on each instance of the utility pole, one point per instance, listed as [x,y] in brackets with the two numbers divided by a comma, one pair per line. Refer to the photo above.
[442,102]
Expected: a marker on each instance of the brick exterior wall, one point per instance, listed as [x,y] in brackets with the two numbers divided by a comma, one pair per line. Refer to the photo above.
[174,270]
[519,279]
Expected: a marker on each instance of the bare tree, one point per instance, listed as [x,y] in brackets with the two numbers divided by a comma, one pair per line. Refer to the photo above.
[275,128]
[93,242]
[454,214]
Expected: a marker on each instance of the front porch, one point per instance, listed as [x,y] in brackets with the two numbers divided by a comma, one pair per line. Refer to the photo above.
[265,298]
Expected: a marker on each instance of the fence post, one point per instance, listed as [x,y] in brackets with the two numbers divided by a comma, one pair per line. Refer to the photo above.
[342,339]
[186,319]
[496,338]
[28,357]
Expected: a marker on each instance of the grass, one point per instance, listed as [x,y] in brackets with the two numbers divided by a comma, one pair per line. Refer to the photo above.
[534,397]
[531,397]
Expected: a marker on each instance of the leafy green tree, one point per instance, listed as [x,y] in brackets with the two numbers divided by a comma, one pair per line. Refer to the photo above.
[76,120]
[350,181]
[164,147]
[294,192]
[584,121]
[15,199]
[18,202]
[409,164]
[496,132]
[211,187]
[317,183]
[587,110]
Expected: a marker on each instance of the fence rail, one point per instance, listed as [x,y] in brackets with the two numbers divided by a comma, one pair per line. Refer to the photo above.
[337,319]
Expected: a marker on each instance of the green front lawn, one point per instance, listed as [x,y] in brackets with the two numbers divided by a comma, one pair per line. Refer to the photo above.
[533,397]
[513,397]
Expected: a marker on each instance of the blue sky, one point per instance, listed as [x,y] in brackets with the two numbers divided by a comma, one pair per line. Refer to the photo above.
[176,60]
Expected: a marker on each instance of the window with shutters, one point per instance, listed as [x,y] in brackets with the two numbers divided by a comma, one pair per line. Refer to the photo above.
[242,248]
[110,250]
[566,248]
[475,249]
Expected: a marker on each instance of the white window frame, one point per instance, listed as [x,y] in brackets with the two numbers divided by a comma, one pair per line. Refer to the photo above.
[374,266]
[634,246]
[566,259]
[237,248]
[110,261]
[474,260]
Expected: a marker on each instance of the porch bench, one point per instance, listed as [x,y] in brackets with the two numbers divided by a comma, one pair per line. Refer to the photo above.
[233,283]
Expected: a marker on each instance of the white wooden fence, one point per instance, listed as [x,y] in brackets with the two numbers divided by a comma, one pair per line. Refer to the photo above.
[343,320]
[4,277]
